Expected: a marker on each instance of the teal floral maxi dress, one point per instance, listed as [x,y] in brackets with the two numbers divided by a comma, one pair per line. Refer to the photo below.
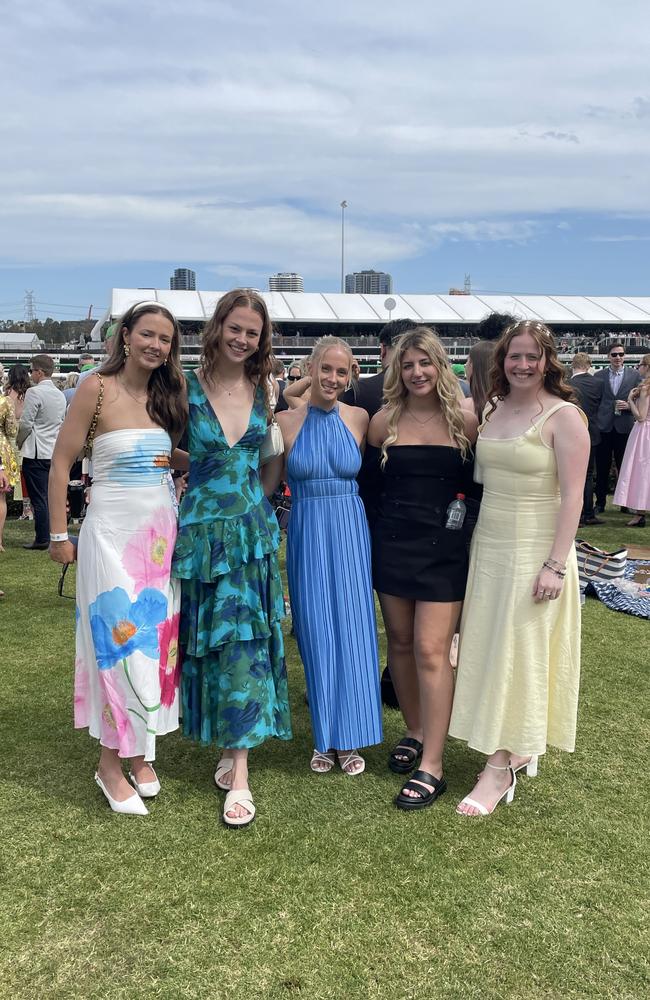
[234,681]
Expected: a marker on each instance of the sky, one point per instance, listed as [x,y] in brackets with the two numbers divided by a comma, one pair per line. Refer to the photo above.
[509,142]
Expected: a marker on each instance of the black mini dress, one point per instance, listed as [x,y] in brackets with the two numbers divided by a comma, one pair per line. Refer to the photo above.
[413,555]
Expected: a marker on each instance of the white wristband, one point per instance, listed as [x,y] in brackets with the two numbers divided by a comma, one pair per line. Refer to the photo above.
[58,536]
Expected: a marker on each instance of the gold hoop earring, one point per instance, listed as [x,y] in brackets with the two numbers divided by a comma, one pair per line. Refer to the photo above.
[127,350]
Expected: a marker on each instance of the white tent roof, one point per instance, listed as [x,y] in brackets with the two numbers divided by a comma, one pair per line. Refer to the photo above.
[19,341]
[327,307]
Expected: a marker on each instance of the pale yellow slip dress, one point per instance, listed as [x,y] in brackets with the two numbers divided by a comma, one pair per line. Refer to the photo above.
[519,660]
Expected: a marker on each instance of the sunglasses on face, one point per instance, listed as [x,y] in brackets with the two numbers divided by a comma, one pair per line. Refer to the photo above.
[617,354]
[293,378]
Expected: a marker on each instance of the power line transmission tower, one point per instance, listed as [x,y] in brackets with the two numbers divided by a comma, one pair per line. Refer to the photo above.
[468,284]
[29,306]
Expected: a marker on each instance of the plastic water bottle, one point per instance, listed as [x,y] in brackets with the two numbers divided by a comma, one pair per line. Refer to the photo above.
[456,513]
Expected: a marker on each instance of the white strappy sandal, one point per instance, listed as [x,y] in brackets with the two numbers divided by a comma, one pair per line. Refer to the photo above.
[324,760]
[347,757]
[508,794]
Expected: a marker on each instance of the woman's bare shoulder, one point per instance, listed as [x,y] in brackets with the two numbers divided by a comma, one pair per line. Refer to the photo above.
[378,428]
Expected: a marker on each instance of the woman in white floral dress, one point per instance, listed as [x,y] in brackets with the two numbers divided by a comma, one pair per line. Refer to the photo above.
[126,671]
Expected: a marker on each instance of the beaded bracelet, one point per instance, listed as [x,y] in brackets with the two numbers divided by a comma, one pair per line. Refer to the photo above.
[557,572]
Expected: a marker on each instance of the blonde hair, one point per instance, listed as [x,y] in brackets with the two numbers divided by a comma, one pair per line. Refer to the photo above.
[643,386]
[396,393]
[325,343]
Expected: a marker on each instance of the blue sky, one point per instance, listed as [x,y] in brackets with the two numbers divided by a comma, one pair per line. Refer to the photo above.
[511,143]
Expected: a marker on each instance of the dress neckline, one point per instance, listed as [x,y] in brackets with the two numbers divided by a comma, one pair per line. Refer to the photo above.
[320,409]
[536,425]
[216,418]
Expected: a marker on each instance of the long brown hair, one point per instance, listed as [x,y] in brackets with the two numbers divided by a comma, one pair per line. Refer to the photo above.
[554,375]
[481,356]
[258,368]
[396,394]
[166,399]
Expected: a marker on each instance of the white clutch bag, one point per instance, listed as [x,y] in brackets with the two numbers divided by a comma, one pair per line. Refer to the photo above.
[273,443]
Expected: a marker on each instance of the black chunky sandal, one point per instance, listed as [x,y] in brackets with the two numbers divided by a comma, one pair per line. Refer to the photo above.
[409,748]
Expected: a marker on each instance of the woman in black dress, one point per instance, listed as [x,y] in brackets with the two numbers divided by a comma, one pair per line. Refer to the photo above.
[419,565]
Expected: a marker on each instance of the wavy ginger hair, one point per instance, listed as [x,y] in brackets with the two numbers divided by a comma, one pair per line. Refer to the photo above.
[554,374]
[447,390]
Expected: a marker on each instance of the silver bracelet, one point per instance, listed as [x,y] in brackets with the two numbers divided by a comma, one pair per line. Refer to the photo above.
[58,536]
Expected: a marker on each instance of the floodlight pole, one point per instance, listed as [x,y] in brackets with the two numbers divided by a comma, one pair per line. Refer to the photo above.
[344,205]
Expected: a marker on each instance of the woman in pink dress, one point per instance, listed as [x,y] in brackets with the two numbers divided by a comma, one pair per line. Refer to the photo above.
[633,486]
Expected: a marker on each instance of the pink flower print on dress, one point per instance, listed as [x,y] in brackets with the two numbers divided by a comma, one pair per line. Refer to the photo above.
[80,693]
[170,665]
[147,558]
[116,729]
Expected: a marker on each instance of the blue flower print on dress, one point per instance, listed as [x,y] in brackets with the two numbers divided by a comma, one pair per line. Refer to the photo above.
[121,626]
[146,463]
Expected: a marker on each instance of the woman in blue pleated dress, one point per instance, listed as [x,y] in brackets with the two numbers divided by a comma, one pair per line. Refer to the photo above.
[234,681]
[328,565]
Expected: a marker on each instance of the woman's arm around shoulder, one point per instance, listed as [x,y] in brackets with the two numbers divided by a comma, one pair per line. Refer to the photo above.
[378,429]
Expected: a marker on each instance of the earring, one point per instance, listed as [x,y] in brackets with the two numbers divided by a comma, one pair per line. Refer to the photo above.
[127,350]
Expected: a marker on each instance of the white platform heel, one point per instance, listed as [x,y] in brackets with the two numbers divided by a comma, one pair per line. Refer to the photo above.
[529,766]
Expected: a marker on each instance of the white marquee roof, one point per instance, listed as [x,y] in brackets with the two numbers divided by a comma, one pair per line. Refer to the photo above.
[329,307]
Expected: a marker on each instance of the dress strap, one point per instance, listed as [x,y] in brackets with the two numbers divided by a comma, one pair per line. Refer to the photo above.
[538,425]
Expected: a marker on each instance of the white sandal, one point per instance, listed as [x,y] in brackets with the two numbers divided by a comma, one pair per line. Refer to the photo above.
[224,766]
[348,757]
[508,794]
[239,797]
[326,759]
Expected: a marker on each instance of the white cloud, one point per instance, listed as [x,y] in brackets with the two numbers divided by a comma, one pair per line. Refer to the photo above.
[229,133]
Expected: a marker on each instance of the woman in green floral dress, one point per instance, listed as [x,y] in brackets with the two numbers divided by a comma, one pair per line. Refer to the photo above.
[234,682]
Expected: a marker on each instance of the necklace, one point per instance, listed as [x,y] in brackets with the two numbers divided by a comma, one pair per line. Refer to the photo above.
[132,395]
[234,385]
[417,419]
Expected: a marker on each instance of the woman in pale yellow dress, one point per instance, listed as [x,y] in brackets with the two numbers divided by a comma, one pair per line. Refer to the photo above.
[519,655]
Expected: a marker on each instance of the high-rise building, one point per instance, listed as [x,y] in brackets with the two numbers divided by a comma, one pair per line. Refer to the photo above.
[369,283]
[183,280]
[286,281]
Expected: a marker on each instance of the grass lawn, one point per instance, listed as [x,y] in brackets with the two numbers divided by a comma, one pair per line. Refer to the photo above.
[332,893]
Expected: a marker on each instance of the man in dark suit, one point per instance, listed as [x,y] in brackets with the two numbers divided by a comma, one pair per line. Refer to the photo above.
[615,421]
[589,391]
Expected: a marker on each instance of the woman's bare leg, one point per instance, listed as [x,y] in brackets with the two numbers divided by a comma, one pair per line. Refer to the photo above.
[399,619]
[239,779]
[110,771]
[434,626]
[492,783]
[3,517]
